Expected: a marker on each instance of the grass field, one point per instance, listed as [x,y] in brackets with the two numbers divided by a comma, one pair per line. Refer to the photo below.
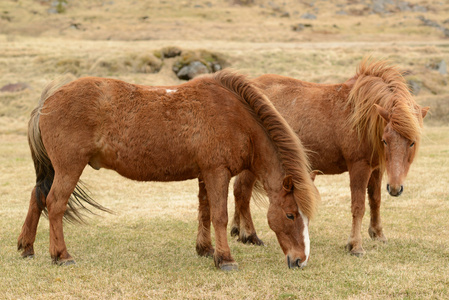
[147,248]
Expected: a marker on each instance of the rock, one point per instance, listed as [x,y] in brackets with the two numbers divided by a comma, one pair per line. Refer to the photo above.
[431,23]
[341,13]
[172,51]
[308,16]
[58,7]
[285,15]
[15,87]
[442,68]
[300,27]
[192,70]
[415,86]
[274,6]
[419,8]
[404,6]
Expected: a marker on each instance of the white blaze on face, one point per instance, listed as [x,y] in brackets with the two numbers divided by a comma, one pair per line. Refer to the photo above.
[170,91]
[305,233]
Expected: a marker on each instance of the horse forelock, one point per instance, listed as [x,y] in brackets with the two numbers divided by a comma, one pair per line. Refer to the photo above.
[288,146]
[379,82]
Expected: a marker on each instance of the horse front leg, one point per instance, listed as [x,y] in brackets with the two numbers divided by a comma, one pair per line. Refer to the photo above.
[27,236]
[217,184]
[374,195]
[242,225]
[359,175]
[203,239]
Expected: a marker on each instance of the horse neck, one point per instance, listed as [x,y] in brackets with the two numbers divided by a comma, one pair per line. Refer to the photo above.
[268,168]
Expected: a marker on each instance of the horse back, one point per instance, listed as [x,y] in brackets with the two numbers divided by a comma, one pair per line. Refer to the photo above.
[318,115]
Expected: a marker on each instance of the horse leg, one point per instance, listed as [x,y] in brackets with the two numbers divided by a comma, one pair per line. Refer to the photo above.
[358,175]
[203,239]
[27,236]
[217,184]
[374,195]
[63,185]
[242,224]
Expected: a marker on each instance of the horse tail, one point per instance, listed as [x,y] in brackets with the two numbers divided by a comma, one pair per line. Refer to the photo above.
[289,148]
[45,173]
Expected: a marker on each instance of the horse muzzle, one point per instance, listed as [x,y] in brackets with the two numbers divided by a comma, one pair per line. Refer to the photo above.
[295,263]
[395,191]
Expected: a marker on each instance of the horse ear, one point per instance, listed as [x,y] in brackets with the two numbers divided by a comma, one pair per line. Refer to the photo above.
[287,184]
[313,174]
[351,81]
[424,111]
[383,113]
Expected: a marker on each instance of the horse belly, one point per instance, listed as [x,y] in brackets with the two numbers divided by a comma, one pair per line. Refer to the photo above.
[147,159]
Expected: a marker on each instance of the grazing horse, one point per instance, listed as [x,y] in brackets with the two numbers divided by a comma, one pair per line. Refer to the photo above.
[366,125]
[211,128]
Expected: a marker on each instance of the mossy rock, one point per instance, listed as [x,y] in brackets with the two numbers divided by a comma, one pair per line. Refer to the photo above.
[168,52]
[212,61]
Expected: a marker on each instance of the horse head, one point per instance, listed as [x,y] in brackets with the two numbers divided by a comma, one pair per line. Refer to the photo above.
[290,225]
[399,151]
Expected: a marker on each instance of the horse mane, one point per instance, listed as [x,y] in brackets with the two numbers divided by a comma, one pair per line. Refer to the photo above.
[380,82]
[288,146]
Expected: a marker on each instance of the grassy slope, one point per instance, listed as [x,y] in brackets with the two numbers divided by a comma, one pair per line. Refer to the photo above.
[147,248]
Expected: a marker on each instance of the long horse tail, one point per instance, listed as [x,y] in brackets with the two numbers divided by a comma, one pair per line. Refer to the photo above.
[43,166]
[289,148]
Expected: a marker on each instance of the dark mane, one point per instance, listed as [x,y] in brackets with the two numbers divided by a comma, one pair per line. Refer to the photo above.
[379,82]
[290,150]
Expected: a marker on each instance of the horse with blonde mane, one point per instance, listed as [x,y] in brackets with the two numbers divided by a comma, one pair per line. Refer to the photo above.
[364,126]
[211,128]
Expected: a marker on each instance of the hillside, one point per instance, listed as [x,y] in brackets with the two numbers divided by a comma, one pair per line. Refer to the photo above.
[320,41]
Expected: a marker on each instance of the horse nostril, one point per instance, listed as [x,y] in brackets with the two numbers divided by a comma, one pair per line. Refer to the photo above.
[401,190]
[298,262]
[388,187]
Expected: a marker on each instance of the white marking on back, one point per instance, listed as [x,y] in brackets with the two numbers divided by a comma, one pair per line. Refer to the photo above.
[170,91]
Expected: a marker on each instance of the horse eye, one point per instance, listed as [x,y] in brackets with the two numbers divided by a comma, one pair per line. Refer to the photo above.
[384,142]
[290,216]
[412,144]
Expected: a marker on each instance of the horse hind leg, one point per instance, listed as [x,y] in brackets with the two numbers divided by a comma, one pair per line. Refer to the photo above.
[27,236]
[242,225]
[374,196]
[63,186]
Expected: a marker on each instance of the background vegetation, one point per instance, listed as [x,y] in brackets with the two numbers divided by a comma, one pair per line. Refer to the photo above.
[146,249]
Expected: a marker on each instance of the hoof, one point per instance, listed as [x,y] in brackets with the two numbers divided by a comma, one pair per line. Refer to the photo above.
[235,231]
[377,236]
[252,239]
[64,262]
[359,252]
[206,252]
[28,249]
[229,267]
[28,253]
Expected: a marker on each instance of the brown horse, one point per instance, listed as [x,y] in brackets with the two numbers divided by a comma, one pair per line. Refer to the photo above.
[366,125]
[211,128]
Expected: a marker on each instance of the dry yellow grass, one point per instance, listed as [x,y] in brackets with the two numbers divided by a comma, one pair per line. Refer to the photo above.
[146,250]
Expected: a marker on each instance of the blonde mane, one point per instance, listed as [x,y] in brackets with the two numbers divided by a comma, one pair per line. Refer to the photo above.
[379,82]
